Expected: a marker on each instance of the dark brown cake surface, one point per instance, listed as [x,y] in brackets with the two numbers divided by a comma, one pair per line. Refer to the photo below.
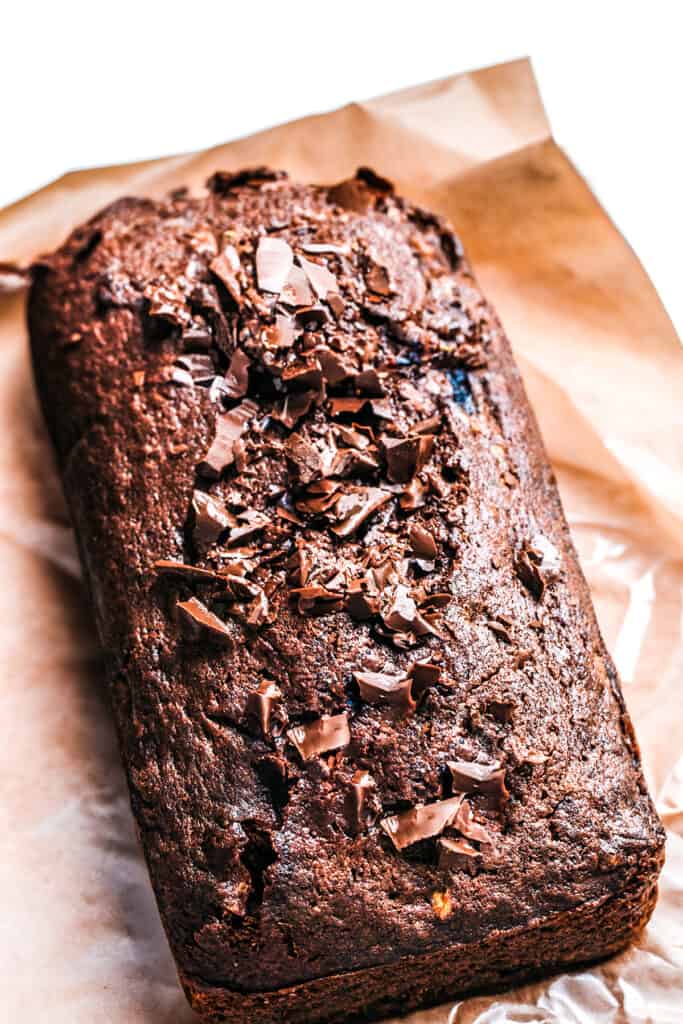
[364,706]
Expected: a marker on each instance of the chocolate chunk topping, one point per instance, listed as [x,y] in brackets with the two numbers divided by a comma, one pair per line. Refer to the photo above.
[274,262]
[465,823]
[422,542]
[237,377]
[357,810]
[363,501]
[320,278]
[327,733]
[406,456]
[168,567]
[281,334]
[260,703]
[211,518]
[199,619]
[229,427]
[296,290]
[486,780]
[223,182]
[382,688]
[226,267]
[377,280]
[424,674]
[456,854]
[421,822]
[536,562]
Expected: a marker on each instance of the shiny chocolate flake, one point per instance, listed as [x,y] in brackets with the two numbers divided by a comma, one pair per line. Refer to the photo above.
[223,182]
[422,542]
[421,822]
[368,382]
[361,602]
[331,732]
[274,262]
[456,854]
[229,427]
[167,302]
[537,562]
[200,621]
[400,613]
[383,688]
[321,280]
[199,365]
[406,456]
[485,780]
[260,704]
[281,334]
[248,523]
[465,824]
[237,376]
[339,406]
[357,506]
[413,496]
[294,408]
[424,674]
[226,267]
[191,573]
[334,367]
[211,519]
[304,459]
[357,811]
[378,281]
[296,290]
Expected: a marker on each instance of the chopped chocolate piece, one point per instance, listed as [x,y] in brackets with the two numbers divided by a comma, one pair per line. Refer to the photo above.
[281,334]
[327,733]
[167,302]
[336,304]
[424,674]
[308,316]
[377,280]
[237,377]
[357,800]
[252,521]
[169,567]
[294,407]
[421,822]
[500,629]
[226,267]
[352,436]
[296,290]
[430,425]
[537,561]
[334,369]
[320,278]
[258,610]
[199,619]
[486,780]
[368,382]
[382,688]
[342,405]
[211,519]
[304,458]
[400,614]
[456,854]
[197,335]
[260,703]
[274,262]
[229,427]
[321,248]
[360,604]
[414,496]
[406,456]
[223,182]
[465,823]
[199,364]
[181,377]
[369,500]
[422,542]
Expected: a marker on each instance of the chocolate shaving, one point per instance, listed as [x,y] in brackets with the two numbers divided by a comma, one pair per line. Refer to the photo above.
[537,561]
[199,619]
[281,334]
[226,267]
[421,822]
[321,248]
[237,377]
[252,521]
[413,496]
[304,459]
[294,407]
[223,182]
[360,604]
[456,853]
[357,800]
[274,262]
[334,369]
[229,427]
[199,365]
[465,823]
[369,499]
[296,291]
[327,733]
[422,542]
[260,703]
[211,519]
[169,567]
[406,456]
[342,405]
[485,780]
[382,688]
[424,674]
[320,278]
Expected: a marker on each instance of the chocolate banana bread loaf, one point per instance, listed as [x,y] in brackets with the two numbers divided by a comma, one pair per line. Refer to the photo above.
[377,752]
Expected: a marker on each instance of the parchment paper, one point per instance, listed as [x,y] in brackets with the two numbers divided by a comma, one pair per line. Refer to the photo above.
[79,934]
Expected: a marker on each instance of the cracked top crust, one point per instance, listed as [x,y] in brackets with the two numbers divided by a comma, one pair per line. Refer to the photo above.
[363,702]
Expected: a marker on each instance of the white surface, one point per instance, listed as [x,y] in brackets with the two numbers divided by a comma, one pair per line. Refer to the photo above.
[90,84]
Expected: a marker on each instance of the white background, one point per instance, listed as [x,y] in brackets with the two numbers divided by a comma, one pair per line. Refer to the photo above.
[99,83]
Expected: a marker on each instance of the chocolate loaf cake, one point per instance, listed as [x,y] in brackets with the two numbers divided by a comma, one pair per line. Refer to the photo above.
[377,752]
